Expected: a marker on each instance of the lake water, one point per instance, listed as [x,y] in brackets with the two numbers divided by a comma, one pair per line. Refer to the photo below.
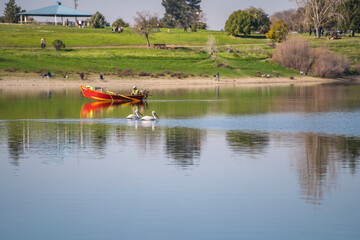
[221,163]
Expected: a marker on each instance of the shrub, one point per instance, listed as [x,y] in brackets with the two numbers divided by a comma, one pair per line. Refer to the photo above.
[297,54]
[97,20]
[278,31]
[58,44]
[12,69]
[329,64]
[160,74]
[127,73]
[144,74]
[294,53]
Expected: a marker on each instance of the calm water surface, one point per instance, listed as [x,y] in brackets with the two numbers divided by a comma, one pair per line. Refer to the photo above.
[221,163]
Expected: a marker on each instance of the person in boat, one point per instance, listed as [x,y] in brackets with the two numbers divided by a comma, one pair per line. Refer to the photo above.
[135,91]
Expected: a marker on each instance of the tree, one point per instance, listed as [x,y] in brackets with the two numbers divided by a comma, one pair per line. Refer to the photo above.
[278,31]
[97,20]
[175,12]
[351,13]
[292,18]
[262,21]
[144,24]
[318,13]
[11,12]
[120,22]
[240,22]
[181,12]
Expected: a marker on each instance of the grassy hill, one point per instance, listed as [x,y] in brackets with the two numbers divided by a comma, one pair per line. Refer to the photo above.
[101,51]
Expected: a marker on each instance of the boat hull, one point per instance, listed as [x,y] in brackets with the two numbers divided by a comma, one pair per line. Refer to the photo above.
[109,96]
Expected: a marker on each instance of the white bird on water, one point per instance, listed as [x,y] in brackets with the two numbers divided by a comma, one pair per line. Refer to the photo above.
[153,118]
[134,116]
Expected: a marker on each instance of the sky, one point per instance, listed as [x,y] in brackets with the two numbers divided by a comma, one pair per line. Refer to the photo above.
[217,11]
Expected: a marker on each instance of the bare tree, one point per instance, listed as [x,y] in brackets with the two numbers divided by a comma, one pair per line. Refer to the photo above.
[319,12]
[292,18]
[145,22]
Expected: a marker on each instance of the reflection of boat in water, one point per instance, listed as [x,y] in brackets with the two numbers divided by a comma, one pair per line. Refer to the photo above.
[89,109]
[100,95]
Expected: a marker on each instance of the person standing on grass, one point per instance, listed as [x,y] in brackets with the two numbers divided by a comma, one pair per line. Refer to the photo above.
[42,43]
[217,76]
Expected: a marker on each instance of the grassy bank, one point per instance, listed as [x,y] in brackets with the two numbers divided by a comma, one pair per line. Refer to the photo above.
[114,61]
[15,35]
[101,51]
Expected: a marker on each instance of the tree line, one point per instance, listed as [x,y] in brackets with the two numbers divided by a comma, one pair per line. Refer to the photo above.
[317,15]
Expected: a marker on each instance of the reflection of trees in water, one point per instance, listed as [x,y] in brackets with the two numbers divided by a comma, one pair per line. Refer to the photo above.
[183,145]
[18,133]
[51,138]
[319,164]
[247,142]
[99,135]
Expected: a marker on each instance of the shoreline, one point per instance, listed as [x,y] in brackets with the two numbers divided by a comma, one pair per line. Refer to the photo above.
[26,82]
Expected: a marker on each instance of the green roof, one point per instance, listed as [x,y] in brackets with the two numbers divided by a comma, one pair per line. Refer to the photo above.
[56,10]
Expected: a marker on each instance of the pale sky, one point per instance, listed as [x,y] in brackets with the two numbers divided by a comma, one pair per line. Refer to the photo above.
[217,11]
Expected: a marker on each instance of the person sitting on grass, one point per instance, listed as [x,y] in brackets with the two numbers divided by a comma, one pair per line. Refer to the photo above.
[82,76]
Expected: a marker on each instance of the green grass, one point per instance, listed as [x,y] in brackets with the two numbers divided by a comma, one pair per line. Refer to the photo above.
[100,50]
[138,59]
[15,35]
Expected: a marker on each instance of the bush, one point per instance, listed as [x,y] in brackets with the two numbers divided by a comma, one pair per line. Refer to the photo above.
[329,64]
[294,53]
[297,54]
[127,73]
[58,44]
[97,20]
[278,31]
[144,74]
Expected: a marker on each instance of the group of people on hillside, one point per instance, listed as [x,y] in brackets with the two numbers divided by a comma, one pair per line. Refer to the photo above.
[118,29]
[187,27]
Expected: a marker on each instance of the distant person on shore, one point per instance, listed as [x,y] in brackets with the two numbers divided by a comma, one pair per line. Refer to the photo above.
[217,76]
[82,76]
[310,32]
[42,43]
[158,27]
[185,28]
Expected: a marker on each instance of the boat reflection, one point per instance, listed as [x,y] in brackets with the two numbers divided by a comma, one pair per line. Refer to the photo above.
[97,109]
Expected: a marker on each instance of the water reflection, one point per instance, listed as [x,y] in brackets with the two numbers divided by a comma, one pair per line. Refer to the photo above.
[100,108]
[319,158]
[319,161]
[183,145]
[247,142]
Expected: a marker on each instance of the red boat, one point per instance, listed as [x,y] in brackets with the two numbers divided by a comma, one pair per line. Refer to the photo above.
[100,95]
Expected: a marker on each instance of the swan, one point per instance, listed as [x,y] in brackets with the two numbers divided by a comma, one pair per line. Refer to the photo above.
[153,118]
[134,116]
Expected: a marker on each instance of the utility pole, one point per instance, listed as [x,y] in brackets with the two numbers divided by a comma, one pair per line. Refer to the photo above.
[76,4]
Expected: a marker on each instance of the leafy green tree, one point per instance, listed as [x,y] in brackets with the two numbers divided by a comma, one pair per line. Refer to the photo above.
[351,13]
[240,22]
[175,12]
[278,31]
[145,22]
[97,20]
[181,12]
[120,22]
[11,12]
[262,21]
